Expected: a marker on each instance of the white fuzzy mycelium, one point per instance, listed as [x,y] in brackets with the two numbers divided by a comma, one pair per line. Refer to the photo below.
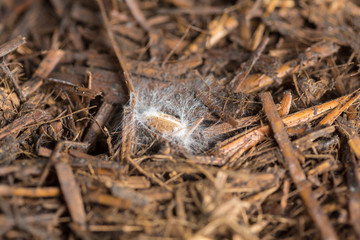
[172,113]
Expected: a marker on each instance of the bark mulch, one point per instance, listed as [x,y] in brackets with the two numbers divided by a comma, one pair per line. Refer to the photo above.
[179,119]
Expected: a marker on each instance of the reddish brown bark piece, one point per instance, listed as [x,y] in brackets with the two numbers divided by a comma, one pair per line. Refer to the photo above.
[321,220]
[45,68]
[71,192]
[68,185]
[99,121]
[11,45]
[21,123]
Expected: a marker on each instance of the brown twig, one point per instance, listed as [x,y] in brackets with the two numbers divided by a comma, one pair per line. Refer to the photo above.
[239,144]
[13,80]
[69,187]
[45,68]
[44,192]
[115,47]
[137,13]
[298,176]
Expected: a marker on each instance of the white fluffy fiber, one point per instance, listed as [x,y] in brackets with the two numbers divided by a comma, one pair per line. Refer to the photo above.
[173,101]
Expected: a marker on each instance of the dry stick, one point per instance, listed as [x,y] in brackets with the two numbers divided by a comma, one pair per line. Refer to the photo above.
[11,45]
[296,172]
[128,81]
[99,121]
[285,104]
[13,80]
[115,47]
[331,117]
[5,49]
[69,188]
[45,68]
[139,16]
[261,28]
[237,145]
[29,192]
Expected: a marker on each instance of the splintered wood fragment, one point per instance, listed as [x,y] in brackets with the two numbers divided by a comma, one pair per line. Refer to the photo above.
[21,123]
[127,146]
[109,200]
[237,145]
[257,81]
[45,192]
[331,117]
[115,228]
[11,45]
[285,104]
[261,28]
[307,141]
[217,30]
[323,167]
[298,176]
[224,127]
[13,81]
[46,66]
[98,122]
[69,187]
[285,197]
